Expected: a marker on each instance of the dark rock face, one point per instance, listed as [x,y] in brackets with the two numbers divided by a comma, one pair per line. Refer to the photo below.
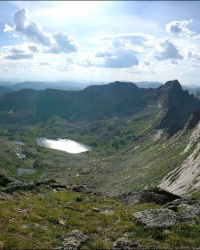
[194,119]
[174,86]
[45,182]
[4,180]
[156,195]
[177,104]
[11,184]
[19,186]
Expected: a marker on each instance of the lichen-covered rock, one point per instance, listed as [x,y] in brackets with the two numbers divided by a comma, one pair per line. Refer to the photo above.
[71,244]
[5,196]
[187,207]
[160,218]
[125,244]
[73,240]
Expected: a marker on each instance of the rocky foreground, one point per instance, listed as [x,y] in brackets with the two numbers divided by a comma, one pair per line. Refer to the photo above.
[148,218]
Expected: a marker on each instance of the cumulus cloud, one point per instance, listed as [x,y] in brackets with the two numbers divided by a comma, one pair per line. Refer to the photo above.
[18,52]
[54,43]
[31,30]
[115,54]
[180,28]
[7,28]
[167,50]
[122,59]
[194,55]
[62,43]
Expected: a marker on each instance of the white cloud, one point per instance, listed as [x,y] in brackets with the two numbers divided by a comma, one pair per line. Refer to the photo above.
[140,39]
[54,43]
[62,43]
[31,30]
[193,52]
[114,54]
[33,48]
[7,28]
[180,28]
[194,55]
[167,50]
[18,52]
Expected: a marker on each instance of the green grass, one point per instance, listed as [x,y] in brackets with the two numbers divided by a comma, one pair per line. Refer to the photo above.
[40,220]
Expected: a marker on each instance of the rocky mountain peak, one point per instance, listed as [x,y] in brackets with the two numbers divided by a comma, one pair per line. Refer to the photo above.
[173,85]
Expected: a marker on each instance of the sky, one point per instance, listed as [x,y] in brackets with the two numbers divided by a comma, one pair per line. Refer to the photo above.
[100,41]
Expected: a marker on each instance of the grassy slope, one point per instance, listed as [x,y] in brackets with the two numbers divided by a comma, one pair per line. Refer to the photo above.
[39,220]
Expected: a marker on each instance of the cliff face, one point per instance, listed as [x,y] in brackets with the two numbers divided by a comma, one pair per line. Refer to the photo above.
[186,178]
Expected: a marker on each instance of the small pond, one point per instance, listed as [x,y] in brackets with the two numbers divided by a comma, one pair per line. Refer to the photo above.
[66,145]
[21,171]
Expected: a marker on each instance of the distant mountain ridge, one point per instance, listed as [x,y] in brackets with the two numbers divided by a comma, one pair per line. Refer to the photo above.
[69,85]
[96,102]
[5,90]
[147,84]
[64,85]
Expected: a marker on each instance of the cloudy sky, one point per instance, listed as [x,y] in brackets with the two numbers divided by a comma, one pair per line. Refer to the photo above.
[100,41]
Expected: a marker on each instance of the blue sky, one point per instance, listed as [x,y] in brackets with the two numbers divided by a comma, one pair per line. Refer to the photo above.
[100,41]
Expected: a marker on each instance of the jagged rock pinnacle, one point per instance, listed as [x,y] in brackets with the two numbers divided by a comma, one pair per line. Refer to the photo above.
[173,85]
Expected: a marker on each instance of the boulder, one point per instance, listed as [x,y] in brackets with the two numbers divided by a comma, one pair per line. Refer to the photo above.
[160,218]
[187,207]
[125,244]
[5,196]
[155,195]
[78,188]
[73,240]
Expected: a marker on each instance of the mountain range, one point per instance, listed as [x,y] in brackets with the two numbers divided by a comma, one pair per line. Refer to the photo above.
[136,188]
[113,119]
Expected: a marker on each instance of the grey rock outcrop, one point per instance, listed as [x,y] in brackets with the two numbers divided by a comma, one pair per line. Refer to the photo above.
[175,212]
[125,244]
[5,196]
[73,240]
[160,218]
[187,207]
